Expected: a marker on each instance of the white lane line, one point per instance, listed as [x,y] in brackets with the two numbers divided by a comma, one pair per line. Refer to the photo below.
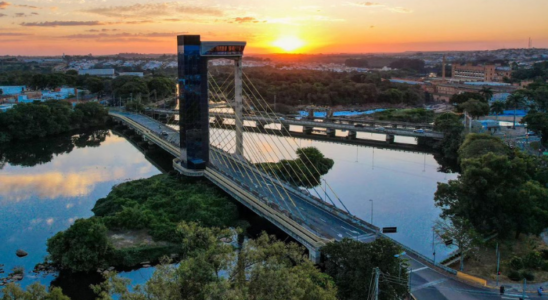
[419,269]
[429,284]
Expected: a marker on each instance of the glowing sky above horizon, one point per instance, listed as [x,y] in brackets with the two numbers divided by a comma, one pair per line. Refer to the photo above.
[53,27]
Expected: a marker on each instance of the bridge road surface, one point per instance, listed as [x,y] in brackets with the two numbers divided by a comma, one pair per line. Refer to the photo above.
[426,282]
[316,219]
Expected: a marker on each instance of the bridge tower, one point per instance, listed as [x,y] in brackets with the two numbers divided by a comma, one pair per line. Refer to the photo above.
[193,56]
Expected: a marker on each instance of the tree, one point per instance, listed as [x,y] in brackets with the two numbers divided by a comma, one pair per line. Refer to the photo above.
[538,122]
[34,291]
[475,108]
[460,232]
[496,194]
[497,108]
[452,127]
[1,92]
[476,145]
[263,269]
[457,99]
[94,84]
[82,247]
[515,100]
[487,93]
[163,86]
[350,263]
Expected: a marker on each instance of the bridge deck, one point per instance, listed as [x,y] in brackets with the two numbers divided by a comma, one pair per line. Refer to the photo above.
[330,125]
[321,221]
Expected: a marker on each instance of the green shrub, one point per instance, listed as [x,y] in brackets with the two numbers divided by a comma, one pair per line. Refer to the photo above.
[533,260]
[544,266]
[514,275]
[516,263]
[544,253]
[528,275]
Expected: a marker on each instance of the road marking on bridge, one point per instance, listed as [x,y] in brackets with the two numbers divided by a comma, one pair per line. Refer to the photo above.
[429,284]
[419,269]
[514,296]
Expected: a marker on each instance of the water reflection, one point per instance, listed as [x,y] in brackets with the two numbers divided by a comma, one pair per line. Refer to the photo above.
[46,185]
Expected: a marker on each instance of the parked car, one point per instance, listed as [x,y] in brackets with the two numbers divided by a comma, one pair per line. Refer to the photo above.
[380,129]
[418,131]
[531,133]
[358,125]
[164,133]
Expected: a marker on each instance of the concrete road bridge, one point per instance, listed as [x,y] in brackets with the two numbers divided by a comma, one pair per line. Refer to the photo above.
[390,129]
[311,217]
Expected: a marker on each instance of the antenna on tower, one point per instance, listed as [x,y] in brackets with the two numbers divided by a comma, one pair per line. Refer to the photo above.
[443,68]
[530,43]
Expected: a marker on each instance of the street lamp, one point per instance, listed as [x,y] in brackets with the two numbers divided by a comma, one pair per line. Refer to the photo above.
[371,211]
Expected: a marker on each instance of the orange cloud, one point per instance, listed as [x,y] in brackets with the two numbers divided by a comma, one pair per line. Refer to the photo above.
[153,9]
[4,4]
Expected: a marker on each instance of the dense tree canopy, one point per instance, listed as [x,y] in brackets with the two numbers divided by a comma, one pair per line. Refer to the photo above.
[538,122]
[264,268]
[309,87]
[475,108]
[457,99]
[476,145]
[351,264]
[452,127]
[34,291]
[304,171]
[499,194]
[84,246]
[41,119]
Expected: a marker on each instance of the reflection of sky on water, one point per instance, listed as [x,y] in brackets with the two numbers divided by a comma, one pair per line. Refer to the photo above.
[37,202]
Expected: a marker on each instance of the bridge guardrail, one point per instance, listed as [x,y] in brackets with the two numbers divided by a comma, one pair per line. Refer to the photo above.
[420,256]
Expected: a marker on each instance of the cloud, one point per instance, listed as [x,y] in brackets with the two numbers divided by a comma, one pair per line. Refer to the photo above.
[13,34]
[2,15]
[111,36]
[62,23]
[244,20]
[80,23]
[400,10]
[163,9]
[4,4]
[28,6]
[367,4]
[34,13]
[20,15]
[397,9]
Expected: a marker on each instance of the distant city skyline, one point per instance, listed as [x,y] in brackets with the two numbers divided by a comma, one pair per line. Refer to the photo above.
[99,27]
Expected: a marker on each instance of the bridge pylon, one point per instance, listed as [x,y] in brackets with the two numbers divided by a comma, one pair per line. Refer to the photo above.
[193,56]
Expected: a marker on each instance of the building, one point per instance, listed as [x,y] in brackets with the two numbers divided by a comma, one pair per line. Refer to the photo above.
[97,72]
[138,74]
[490,73]
[13,90]
[442,91]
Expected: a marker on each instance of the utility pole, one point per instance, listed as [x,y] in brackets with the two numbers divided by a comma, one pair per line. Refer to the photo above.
[434,245]
[498,264]
[524,287]
[377,274]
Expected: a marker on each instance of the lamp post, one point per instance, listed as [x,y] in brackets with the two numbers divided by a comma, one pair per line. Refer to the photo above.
[371,211]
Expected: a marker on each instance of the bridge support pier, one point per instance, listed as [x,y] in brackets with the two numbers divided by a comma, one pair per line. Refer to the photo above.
[218,121]
[390,138]
[307,130]
[330,132]
[314,255]
[352,135]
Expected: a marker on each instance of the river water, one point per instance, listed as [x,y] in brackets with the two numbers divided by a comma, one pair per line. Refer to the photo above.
[46,185]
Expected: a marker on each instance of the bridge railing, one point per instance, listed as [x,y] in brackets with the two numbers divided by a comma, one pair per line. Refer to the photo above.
[420,256]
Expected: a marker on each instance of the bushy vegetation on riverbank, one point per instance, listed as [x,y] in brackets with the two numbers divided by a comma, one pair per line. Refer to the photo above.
[304,171]
[414,115]
[156,205]
[42,119]
[499,190]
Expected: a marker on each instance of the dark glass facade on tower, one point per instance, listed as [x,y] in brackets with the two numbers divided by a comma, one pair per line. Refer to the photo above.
[193,103]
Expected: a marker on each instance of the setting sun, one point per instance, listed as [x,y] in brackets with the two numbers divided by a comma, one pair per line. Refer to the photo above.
[289,43]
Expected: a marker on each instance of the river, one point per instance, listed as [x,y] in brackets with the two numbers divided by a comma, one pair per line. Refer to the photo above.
[46,184]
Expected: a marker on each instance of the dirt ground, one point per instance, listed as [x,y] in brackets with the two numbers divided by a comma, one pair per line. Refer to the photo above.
[132,238]
[484,262]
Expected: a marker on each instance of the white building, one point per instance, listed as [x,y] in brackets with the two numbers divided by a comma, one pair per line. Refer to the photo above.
[97,72]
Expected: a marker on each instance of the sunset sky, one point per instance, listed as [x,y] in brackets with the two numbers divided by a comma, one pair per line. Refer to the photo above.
[53,27]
